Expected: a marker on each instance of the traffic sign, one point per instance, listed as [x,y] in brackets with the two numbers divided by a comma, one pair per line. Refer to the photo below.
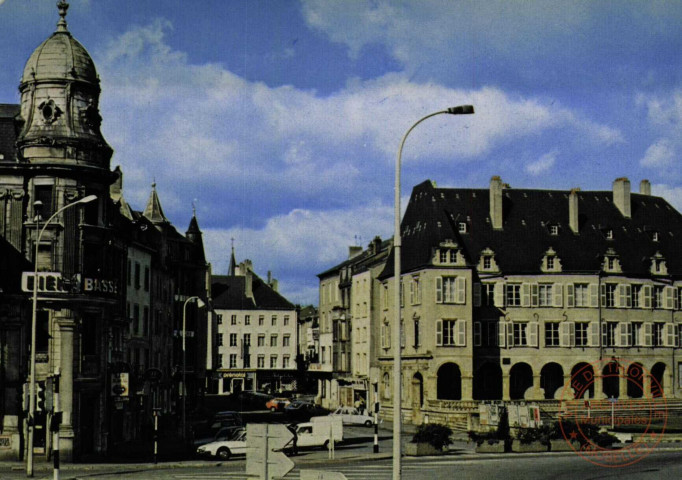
[264,456]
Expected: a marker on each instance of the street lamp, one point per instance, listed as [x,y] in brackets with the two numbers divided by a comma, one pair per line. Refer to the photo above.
[397,243]
[32,384]
[200,304]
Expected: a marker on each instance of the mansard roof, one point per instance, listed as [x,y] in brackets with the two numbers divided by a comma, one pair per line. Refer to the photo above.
[433,215]
[229,293]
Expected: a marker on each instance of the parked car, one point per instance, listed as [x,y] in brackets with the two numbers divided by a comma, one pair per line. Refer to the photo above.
[225,433]
[225,449]
[303,409]
[277,403]
[353,416]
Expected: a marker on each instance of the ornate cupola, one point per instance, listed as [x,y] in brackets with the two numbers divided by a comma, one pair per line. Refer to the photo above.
[60,105]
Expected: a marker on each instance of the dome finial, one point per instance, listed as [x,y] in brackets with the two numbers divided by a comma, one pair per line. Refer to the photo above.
[62,6]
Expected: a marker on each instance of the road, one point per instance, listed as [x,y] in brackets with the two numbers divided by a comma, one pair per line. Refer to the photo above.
[660,465]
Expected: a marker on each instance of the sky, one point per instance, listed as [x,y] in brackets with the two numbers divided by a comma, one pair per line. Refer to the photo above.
[280,120]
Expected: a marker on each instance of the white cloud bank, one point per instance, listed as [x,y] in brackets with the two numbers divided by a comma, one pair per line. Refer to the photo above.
[542,164]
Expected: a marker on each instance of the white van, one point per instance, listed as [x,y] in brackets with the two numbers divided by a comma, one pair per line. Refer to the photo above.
[319,431]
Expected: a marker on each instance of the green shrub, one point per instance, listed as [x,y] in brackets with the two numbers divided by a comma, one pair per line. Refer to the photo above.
[438,436]
[538,434]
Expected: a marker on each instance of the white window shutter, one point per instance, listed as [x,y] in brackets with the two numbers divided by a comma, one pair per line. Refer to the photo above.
[461,333]
[533,334]
[510,334]
[534,294]
[624,338]
[628,296]
[477,294]
[669,337]
[594,334]
[604,336]
[570,295]
[501,333]
[439,332]
[594,295]
[439,289]
[669,295]
[477,334]
[558,295]
[648,334]
[620,301]
[461,290]
[564,335]
[602,295]
[571,333]
[499,294]
[647,290]
[525,295]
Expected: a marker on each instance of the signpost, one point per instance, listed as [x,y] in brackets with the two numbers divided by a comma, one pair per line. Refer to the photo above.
[264,457]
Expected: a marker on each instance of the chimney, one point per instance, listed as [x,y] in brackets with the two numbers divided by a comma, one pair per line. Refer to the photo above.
[248,283]
[116,187]
[621,196]
[573,210]
[354,251]
[496,202]
[274,284]
[645,187]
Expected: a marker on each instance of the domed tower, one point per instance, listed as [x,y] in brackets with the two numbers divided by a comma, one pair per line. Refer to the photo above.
[60,106]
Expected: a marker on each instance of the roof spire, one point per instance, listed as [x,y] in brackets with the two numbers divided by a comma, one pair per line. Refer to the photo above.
[153,211]
[62,6]
[232,270]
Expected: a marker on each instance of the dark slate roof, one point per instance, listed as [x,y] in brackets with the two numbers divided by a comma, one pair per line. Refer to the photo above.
[433,215]
[8,134]
[363,260]
[228,294]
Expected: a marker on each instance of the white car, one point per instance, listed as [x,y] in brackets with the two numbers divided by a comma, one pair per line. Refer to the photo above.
[224,449]
[353,416]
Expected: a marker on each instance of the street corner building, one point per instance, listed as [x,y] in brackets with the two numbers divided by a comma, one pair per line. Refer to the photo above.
[109,280]
[506,294]
[254,341]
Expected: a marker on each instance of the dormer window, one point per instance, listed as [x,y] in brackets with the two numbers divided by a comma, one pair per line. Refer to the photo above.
[608,234]
[551,262]
[658,265]
[654,236]
[462,226]
[487,262]
[611,262]
[554,230]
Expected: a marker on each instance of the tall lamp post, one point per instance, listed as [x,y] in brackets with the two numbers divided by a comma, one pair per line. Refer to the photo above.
[200,304]
[32,384]
[397,244]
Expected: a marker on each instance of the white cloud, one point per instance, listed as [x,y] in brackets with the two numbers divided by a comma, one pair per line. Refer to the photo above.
[659,155]
[673,194]
[542,164]
[292,245]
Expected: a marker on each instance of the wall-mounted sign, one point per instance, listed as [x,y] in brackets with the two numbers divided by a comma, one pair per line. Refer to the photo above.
[48,282]
[99,285]
[120,383]
[234,374]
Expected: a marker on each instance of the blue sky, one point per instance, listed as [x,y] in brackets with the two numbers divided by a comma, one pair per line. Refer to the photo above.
[281,119]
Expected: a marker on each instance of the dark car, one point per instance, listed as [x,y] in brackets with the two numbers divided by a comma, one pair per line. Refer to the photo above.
[303,409]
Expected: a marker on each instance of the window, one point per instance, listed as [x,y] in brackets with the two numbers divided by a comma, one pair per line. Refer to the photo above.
[610,295]
[609,334]
[247,320]
[513,294]
[137,275]
[384,296]
[491,333]
[554,230]
[219,319]
[385,335]
[233,339]
[545,298]
[446,333]
[261,320]
[273,340]
[443,256]
[273,361]
[550,263]
[285,361]
[636,296]
[386,380]
[551,334]
[233,360]
[462,227]
[611,262]
[582,295]
[261,340]
[451,290]
[416,333]
[219,360]
[658,296]
[520,332]
[657,337]
[219,340]
[636,334]
[247,340]
[145,320]
[274,320]
[415,291]
[488,294]
[453,256]
[247,361]
[286,320]
[136,319]
[233,320]
[43,193]
[130,273]
[609,234]
[581,332]
[261,361]
[678,302]
[146,278]
[286,340]
[487,262]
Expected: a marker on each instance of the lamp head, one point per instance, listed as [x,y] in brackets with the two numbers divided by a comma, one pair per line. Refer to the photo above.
[200,303]
[88,199]
[461,110]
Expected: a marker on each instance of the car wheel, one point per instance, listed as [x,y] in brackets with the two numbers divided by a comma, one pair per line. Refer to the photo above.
[326,445]
[223,453]
[368,423]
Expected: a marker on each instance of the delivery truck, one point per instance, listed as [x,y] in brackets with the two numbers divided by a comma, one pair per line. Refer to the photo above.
[319,432]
